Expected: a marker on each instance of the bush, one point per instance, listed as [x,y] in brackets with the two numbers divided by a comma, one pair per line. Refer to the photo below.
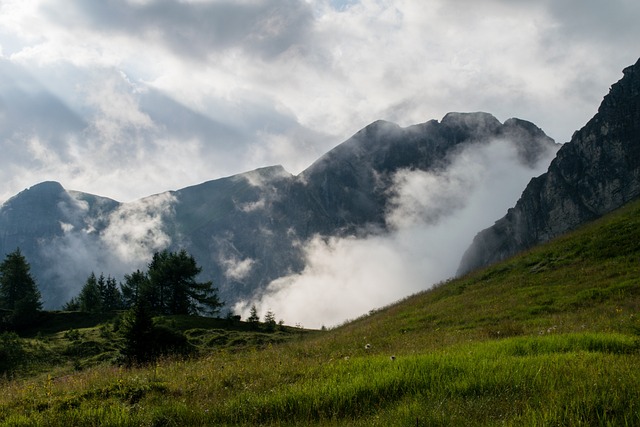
[168,341]
[145,341]
[11,352]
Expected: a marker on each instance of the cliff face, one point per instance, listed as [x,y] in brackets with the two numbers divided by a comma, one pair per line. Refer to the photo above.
[595,173]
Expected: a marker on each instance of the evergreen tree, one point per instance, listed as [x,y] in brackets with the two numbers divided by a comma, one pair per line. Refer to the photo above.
[19,293]
[90,298]
[111,298]
[134,284]
[254,319]
[137,330]
[173,288]
[270,320]
[72,305]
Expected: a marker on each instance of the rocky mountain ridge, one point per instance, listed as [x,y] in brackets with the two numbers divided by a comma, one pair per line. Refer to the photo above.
[248,229]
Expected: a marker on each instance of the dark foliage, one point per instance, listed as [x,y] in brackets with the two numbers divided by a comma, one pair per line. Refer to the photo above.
[138,332]
[19,295]
[172,288]
[144,341]
[11,352]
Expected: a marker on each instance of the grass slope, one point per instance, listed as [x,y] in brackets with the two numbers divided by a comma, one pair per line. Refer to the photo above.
[549,337]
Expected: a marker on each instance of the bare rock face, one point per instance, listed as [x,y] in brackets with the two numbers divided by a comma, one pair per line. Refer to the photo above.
[595,173]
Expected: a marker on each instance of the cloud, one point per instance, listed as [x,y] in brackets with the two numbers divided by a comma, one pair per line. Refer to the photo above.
[126,98]
[136,231]
[235,268]
[434,217]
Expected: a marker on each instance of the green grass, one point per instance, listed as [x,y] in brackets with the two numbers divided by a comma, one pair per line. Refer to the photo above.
[550,337]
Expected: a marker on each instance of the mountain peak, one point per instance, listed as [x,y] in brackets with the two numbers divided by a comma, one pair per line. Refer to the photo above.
[47,192]
[474,119]
[46,187]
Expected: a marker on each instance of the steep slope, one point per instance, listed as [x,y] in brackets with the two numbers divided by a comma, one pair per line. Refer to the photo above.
[595,173]
[234,229]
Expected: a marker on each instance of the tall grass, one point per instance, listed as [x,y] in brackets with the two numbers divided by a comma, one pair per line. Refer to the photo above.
[572,379]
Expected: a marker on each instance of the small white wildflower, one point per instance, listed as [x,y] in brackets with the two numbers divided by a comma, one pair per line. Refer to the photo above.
[367,347]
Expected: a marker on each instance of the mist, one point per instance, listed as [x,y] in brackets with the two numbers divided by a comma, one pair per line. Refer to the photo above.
[133,232]
[433,217]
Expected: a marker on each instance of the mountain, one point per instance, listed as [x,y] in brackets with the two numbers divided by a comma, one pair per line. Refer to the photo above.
[248,229]
[595,173]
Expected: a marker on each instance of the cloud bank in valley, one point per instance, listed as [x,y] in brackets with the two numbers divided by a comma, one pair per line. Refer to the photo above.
[434,218]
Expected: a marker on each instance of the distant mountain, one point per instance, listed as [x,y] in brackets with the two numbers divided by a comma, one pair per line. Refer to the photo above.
[595,173]
[249,229]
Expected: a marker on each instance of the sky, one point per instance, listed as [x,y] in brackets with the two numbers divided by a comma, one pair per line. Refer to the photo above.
[127,98]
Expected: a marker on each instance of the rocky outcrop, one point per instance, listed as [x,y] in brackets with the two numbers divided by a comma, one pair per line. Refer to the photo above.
[595,173]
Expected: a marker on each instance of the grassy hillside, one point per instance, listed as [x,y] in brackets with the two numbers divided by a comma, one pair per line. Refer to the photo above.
[547,338]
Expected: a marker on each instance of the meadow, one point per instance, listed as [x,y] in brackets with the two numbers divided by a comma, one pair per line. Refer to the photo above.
[549,337]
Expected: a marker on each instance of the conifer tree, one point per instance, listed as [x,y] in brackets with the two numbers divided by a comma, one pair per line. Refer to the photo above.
[254,319]
[90,298]
[137,330]
[111,298]
[19,293]
[270,321]
[173,289]
[134,285]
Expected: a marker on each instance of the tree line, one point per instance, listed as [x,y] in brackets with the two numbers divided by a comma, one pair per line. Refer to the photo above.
[169,286]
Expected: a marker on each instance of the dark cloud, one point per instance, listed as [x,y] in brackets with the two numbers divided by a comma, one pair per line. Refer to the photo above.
[265,28]
[599,21]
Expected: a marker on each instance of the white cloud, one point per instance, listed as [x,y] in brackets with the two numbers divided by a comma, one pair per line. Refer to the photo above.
[126,98]
[135,229]
[434,218]
[235,268]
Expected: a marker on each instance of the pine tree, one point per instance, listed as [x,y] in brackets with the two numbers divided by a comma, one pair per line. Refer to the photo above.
[19,293]
[90,298]
[111,298]
[270,321]
[254,319]
[173,288]
[72,305]
[137,330]
[134,285]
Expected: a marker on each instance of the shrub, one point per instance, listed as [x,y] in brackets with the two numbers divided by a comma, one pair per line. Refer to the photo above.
[11,352]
